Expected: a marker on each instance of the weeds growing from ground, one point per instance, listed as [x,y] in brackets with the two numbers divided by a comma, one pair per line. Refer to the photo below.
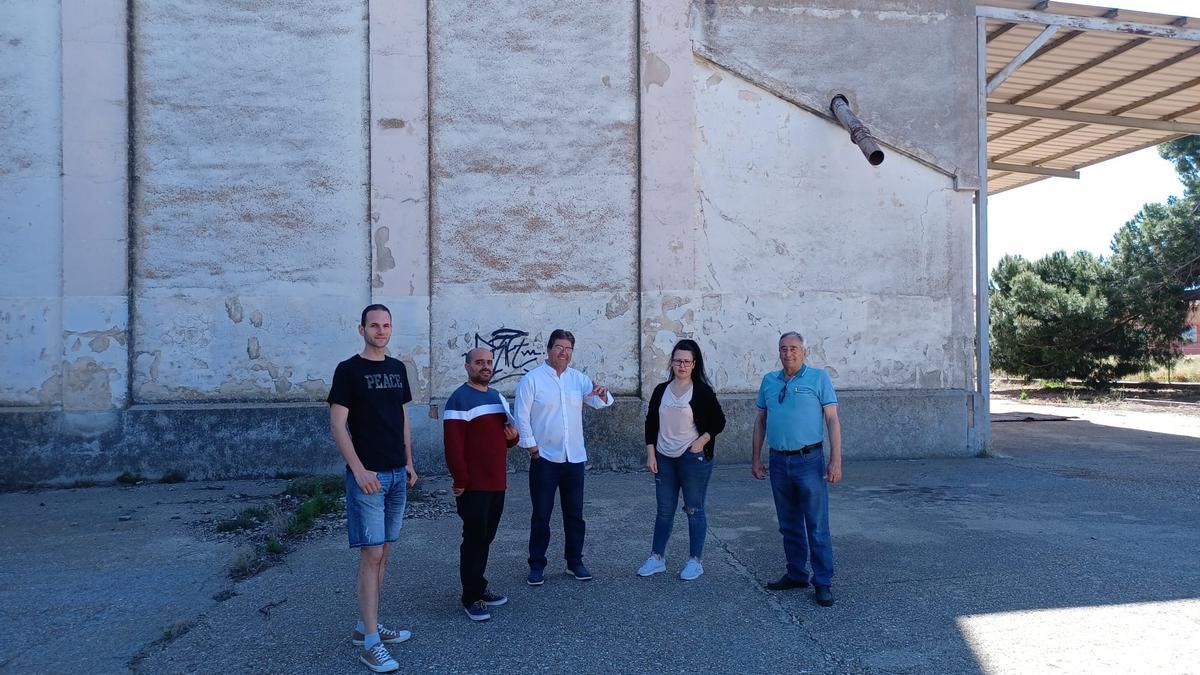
[173,476]
[248,519]
[304,517]
[310,486]
[302,502]
[130,478]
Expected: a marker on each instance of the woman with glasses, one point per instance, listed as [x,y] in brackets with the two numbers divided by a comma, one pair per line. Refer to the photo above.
[683,419]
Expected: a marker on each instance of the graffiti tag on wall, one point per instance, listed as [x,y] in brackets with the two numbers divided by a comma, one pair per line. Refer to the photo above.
[512,352]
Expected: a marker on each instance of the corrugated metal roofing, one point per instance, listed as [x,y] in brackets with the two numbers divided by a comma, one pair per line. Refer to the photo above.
[1080,69]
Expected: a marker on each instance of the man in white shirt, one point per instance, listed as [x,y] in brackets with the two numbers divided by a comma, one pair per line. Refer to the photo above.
[549,412]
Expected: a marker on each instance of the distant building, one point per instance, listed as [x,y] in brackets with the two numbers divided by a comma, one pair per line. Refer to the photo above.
[1191,346]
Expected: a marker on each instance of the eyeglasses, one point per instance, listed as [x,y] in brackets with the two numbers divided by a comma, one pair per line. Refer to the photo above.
[682,364]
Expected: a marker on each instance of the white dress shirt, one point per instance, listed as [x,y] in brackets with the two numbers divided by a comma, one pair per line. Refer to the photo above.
[549,412]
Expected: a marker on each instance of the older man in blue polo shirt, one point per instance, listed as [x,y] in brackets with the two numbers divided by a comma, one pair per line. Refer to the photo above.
[796,406]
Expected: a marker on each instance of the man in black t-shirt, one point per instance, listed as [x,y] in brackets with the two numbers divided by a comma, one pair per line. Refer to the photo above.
[369,419]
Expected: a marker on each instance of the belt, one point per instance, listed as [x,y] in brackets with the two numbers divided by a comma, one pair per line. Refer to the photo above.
[800,451]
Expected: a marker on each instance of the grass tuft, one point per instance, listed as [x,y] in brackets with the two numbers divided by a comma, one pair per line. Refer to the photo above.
[130,478]
[173,476]
[304,517]
[307,487]
[248,519]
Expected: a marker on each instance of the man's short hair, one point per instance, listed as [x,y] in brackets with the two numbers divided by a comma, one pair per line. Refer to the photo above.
[467,356]
[372,308]
[560,334]
[792,333]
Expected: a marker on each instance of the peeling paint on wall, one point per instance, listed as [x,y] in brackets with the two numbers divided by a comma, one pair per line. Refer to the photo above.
[383,255]
[656,71]
[30,204]
[239,215]
[535,178]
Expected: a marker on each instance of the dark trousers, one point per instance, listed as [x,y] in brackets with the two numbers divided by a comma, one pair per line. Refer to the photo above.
[480,513]
[545,477]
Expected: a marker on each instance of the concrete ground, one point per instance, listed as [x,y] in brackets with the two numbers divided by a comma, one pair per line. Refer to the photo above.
[1072,549]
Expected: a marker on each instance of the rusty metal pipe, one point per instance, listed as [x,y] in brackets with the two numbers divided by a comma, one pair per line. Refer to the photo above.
[860,135]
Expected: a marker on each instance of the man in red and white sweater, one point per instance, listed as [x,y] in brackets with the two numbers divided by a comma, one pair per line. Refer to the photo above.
[477,433]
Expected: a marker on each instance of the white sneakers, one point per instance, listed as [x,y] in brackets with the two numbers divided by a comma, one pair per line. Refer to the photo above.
[691,570]
[653,565]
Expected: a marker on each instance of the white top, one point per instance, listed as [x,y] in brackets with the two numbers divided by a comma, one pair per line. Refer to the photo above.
[676,426]
[549,412]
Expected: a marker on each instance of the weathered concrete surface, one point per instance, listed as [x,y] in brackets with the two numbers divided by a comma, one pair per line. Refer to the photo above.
[251,253]
[95,218]
[70,563]
[30,203]
[400,178]
[218,441]
[277,189]
[871,264]
[211,441]
[534,167]
[1075,553]
[907,66]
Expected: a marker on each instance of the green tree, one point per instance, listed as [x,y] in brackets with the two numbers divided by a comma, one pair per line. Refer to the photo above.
[1051,319]
[1099,319]
[1184,153]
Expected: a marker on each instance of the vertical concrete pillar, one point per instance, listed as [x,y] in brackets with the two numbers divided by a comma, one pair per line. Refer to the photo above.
[668,209]
[95,133]
[399,94]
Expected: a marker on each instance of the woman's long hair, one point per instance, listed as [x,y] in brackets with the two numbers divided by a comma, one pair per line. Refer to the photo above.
[698,372]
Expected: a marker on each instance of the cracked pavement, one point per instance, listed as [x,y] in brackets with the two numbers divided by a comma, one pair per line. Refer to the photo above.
[1072,549]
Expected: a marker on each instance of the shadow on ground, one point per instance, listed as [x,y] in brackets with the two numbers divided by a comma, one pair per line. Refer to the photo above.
[1073,549]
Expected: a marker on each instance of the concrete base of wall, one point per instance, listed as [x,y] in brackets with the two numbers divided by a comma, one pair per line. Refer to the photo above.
[50,446]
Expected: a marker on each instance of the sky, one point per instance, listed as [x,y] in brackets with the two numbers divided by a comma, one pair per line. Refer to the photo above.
[1071,215]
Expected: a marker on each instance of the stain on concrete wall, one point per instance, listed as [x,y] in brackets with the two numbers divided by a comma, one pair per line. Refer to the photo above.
[30,203]
[871,264]
[534,166]
[908,66]
[251,196]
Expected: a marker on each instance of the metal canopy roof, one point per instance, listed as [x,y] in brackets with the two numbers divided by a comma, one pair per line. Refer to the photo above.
[1073,85]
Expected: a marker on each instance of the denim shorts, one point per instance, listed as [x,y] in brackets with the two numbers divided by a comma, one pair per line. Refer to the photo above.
[375,520]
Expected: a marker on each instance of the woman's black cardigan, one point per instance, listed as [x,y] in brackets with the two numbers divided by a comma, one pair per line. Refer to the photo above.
[706,413]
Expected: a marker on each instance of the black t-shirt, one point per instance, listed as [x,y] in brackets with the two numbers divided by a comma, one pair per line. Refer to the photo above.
[375,392]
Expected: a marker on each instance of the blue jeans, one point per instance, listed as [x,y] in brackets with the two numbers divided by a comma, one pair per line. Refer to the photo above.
[688,472]
[545,478]
[375,520]
[802,504]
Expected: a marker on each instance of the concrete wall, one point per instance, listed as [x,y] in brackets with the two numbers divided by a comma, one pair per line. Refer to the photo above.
[636,172]
[30,203]
[907,66]
[799,232]
[250,207]
[534,165]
